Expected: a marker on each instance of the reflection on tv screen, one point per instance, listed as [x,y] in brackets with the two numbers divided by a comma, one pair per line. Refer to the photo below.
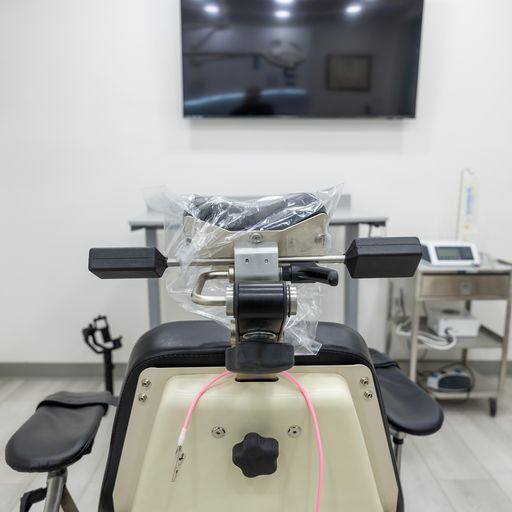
[310,58]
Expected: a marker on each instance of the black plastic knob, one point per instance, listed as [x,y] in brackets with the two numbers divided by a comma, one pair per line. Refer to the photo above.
[310,273]
[256,455]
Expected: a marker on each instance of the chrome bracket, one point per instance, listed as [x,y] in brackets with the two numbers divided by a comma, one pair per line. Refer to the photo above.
[256,262]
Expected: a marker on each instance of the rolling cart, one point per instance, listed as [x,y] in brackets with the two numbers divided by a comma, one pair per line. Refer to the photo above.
[490,281]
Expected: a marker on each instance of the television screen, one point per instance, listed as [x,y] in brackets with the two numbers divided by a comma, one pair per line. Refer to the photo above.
[307,58]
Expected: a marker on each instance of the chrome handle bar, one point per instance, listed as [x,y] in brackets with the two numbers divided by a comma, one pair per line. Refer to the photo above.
[226,262]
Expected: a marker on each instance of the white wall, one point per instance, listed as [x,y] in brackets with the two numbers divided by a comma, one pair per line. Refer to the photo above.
[90,104]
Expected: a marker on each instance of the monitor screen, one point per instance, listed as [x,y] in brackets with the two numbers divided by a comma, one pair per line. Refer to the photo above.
[454,253]
[307,58]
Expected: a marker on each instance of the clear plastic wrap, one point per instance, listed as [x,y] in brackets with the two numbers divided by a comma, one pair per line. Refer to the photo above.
[199,227]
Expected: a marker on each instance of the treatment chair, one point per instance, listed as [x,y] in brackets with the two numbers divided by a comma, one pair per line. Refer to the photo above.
[211,418]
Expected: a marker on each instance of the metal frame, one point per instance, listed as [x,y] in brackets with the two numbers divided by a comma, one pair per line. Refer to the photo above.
[155,312]
[351,306]
[306,238]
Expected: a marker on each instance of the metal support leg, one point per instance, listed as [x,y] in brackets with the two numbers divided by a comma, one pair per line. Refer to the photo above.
[398,443]
[415,327]
[351,285]
[55,484]
[465,351]
[389,319]
[153,285]
[504,348]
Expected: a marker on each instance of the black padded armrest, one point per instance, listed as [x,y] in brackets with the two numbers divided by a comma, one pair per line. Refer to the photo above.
[409,408]
[60,432]
[74,400]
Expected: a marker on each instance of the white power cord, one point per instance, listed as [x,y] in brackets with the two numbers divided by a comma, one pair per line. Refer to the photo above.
[431,340]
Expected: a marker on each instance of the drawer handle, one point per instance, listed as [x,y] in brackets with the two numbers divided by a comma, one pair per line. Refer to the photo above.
[465,288]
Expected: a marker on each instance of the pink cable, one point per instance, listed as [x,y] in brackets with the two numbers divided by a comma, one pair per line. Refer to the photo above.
[193,405]
[312,412]
[311,408]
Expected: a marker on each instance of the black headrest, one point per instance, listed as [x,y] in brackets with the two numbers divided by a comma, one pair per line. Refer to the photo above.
[266,214]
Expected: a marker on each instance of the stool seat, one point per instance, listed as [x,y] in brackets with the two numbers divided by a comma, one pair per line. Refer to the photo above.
[409,408]
[60,432]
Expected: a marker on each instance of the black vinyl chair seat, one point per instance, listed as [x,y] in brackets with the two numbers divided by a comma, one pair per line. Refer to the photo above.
[408,407]
[60,432]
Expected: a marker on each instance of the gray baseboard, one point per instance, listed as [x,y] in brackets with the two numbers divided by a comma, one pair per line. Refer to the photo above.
[78,370]
[84,370]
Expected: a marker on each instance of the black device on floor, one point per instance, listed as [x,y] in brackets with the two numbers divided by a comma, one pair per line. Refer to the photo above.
[455,379]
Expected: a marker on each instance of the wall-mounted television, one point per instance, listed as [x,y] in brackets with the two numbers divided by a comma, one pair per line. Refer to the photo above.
[300,58]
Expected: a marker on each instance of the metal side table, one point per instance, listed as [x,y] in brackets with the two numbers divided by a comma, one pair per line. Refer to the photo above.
[491,281]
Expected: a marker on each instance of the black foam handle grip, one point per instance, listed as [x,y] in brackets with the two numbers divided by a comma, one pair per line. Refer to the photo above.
[127,262]
[383,257]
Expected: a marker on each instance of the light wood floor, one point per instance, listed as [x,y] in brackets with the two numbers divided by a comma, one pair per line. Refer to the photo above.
[466,467]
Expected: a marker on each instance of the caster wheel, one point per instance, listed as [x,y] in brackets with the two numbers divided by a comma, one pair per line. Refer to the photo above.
[493,406]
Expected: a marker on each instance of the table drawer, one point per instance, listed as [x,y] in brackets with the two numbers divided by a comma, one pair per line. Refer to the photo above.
[483,286]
